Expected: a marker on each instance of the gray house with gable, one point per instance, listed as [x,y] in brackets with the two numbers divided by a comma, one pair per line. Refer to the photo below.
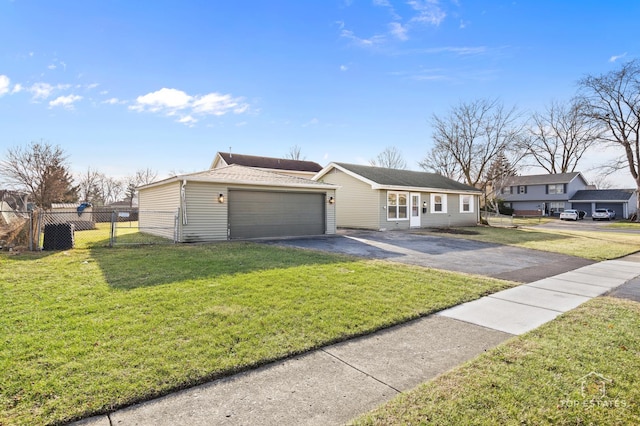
[550,194]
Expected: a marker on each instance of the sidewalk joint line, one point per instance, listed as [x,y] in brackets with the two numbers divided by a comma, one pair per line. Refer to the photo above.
[109,418]
[524,304]
[363,372]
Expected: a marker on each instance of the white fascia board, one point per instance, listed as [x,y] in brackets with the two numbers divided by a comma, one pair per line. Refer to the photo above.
[230,182]
[423,189]
[598,201]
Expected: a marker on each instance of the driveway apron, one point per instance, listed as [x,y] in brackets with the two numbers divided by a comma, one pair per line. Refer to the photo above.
[441,252]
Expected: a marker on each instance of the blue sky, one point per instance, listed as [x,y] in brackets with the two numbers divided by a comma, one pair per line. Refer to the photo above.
[126,85]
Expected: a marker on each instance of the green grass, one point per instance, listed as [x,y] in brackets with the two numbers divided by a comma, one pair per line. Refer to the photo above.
[87,331]
[625,225]
[585,244]
[537,379]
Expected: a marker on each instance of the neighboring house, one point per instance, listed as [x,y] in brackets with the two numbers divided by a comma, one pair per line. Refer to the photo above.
[298,168]
[622,201]
[544,195]
[380,198]
[550,194]
[236,202]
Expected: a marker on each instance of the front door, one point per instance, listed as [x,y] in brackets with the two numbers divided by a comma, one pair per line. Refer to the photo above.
[414,219]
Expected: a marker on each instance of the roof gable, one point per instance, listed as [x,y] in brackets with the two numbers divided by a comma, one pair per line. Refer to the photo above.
[266,162]
[545,179]
[384,177]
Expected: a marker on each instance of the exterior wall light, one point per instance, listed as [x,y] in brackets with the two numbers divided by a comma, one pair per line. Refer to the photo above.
[221,198]
[332,200]
[424,207]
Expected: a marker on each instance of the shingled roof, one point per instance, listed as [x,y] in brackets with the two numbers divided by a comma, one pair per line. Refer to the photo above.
[602,195]
[244,175]
[545,179]
[405,178]
[270,162]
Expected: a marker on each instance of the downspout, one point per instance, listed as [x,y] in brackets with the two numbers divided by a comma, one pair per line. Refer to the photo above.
[183,201]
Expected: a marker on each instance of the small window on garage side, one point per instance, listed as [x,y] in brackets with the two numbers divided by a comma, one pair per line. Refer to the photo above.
[397,205]
[438,203]
[466,204]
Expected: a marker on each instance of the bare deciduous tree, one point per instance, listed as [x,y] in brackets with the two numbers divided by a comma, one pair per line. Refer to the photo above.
[295,153]
[141,177]
[471,135]
[100,189]
[560,137]
[40,169]
[613,101]
[390,158]
[443,163]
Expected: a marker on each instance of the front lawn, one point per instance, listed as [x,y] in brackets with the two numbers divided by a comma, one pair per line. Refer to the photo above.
[586,244]
[580,369]
[86,331]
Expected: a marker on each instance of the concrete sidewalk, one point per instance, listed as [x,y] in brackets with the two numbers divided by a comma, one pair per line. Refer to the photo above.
[334,384]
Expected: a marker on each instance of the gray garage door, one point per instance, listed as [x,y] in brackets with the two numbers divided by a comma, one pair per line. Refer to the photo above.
[255,214]
[617,207]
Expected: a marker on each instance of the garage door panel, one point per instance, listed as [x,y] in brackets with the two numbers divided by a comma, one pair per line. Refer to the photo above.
[254,214]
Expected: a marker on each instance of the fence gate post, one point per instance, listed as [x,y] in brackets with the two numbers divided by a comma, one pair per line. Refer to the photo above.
[112,236]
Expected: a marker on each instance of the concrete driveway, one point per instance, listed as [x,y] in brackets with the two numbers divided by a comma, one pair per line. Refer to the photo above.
[442,252]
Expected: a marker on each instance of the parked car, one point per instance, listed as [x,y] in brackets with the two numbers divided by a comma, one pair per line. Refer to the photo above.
[570,214]
[603,214]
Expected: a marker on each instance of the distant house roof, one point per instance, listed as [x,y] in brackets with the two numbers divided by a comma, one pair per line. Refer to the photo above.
[243,175]
[545,179]
[603,195]
[268,162]
[383,178]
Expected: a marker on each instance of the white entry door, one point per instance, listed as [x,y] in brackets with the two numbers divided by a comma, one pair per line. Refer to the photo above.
[414,219]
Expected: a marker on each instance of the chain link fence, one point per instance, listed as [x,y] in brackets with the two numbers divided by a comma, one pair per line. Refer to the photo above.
[98,227]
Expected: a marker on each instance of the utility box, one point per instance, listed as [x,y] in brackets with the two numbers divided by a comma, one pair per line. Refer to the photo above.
[59,236]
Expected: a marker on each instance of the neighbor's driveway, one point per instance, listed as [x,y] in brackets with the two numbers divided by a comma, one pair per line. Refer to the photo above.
[454,254]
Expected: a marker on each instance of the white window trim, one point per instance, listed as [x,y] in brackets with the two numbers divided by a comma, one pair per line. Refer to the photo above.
[444,203]
[396,219]
[471,197]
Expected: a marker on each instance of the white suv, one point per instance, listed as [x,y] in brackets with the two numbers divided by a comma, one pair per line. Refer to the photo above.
[603,214]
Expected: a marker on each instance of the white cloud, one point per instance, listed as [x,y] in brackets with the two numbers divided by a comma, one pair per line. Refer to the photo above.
[41,90]
[17,88]
[172,102]
[188,120]
[398,31]
[428,12]
[52,67]
[4,84]
[311,122]
[343,68]
[65,101]
[616,57]
[363,42]
[114,101]
[163,99]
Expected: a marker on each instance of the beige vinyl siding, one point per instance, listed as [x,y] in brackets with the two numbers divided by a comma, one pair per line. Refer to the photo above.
[331,213]
[357,204]
[206,218]
[151,201]
[453,216]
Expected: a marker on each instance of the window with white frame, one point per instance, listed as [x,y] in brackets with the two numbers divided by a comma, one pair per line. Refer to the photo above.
[438,203]
[555,189]
[506,190]
[466,203]
[556,207]
[397,205]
